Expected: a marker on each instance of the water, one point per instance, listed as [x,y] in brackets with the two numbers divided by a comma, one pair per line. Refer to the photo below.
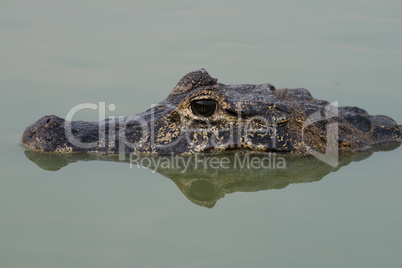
[55,55]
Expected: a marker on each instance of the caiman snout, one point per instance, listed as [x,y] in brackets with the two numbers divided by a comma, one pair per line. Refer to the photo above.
[41,134]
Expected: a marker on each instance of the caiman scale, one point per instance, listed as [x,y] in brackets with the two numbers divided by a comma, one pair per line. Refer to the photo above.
[202,115]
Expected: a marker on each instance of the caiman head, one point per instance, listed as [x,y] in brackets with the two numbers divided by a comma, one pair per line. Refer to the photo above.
[202,115]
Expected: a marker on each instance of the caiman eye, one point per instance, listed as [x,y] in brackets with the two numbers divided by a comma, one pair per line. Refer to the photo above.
[204,108]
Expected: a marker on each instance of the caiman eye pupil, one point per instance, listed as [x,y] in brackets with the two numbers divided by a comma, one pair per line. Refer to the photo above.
[204,108]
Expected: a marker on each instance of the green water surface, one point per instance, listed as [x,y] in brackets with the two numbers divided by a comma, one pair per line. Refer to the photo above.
[57,54]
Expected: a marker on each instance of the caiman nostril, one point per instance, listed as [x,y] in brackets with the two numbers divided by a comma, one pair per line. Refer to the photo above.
[51,121]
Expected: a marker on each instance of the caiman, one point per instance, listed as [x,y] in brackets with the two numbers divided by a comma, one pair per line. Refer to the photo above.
[201,115]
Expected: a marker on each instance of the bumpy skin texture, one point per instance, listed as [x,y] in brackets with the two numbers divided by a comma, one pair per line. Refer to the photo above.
[256,118]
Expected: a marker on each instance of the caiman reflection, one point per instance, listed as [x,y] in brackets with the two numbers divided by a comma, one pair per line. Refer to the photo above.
[203,184]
